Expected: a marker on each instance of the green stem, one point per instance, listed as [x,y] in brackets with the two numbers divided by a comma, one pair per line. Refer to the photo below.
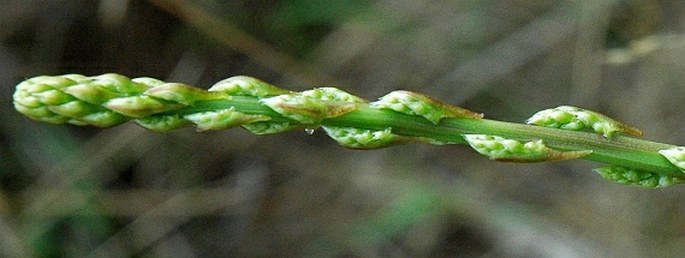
[617,150]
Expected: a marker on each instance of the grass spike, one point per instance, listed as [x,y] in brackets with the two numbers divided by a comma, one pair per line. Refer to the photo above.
[396,118]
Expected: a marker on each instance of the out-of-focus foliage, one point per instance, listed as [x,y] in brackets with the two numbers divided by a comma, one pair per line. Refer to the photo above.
[71,191]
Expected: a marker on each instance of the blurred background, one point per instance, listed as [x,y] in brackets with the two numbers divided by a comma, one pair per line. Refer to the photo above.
[121,192]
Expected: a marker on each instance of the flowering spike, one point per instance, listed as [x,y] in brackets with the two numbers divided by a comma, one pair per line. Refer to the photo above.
[576,119]
[261,108]
[413,104]
[503,149]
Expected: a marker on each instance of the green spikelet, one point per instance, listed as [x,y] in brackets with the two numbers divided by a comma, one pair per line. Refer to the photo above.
[162,123]
[576,119]
[414,104]
[360,138]
[634,177]
[676,156]
[503,149]
[246,86]
[222,119]
[312,106]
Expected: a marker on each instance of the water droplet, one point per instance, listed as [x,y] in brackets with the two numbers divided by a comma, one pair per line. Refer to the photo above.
[309,131]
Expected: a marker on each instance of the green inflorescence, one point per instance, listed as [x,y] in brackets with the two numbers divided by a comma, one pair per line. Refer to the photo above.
[399,117]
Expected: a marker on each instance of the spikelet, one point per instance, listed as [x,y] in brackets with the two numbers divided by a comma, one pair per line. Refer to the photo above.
[576,119]
[503,149]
